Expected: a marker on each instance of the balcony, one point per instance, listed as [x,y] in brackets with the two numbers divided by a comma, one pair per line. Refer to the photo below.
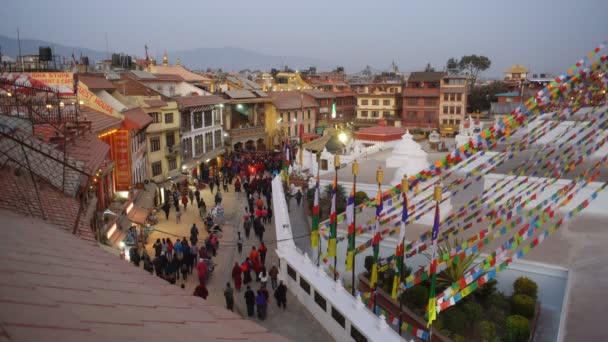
[173,150]
[247,132]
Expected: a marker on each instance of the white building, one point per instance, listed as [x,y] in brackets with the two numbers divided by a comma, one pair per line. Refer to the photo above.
[202,136]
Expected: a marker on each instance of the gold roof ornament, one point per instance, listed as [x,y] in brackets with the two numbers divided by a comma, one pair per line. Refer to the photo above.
[165,59]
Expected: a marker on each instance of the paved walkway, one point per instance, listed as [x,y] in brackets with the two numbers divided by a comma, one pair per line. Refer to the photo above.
[295,323]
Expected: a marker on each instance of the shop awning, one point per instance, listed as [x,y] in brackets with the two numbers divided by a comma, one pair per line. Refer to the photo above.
[138,215]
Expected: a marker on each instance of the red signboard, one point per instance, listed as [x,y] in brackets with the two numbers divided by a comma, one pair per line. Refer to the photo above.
[122,170]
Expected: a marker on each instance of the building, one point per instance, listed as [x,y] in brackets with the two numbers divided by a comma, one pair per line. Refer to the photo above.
[196,80]
[452,104]
[169,85]
[376,101]
[202,135]
[327,106]
[235,82]
[421,101]
[136,122]
[516,73]
[289,81]
[505,104]
[291,113]
[244,119]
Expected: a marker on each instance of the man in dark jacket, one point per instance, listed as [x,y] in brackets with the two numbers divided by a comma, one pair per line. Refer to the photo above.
[280,294]
[250,301]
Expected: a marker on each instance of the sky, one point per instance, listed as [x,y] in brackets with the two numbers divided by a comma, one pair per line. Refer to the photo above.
[544,35]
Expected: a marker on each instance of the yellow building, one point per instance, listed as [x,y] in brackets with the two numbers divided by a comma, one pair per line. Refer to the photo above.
[288,81]
[377,101]
[452,104]
[516,73]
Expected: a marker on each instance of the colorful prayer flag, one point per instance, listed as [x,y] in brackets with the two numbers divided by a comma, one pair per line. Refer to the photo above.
[333,229]
[400,248]
[433,271]
[376,239]
[314,231]
[350,218]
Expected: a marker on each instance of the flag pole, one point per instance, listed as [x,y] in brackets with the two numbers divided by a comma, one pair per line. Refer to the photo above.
[334,229]
[432,309]
[405,186]
[317,194]
[376,239]
[355,173]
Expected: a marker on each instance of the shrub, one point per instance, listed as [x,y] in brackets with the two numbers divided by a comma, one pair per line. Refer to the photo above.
[484,293]
[459,338]
[473,310]
[525,286]
[369,261]
[523,305]
[388,277]
[498,300]
[488,331]
[518,328]
[360,197]
[455,320]
[416,297]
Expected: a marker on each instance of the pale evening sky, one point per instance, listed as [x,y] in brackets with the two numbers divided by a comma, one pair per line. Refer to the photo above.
[546,35]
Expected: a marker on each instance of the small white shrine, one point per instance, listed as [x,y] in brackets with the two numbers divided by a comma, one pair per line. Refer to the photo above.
[408,157]
[466,130]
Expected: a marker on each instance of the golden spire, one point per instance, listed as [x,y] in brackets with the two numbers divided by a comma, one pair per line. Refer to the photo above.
[165,59]
[178,61]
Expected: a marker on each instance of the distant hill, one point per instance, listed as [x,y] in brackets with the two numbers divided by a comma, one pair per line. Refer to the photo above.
[227,58]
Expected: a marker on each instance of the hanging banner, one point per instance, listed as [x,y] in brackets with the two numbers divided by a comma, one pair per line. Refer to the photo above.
[122,169]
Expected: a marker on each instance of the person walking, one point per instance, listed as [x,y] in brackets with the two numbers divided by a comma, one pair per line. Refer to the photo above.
[201,291]
[191,195]
[280,294]
[166,209]
[247,226]
[253,254]
[229,295]
[269,214]
[236,276]
[260,301]
[178,215]
[263,277]
[185,202]
[299,197]
[237,188]
[263,250]
[197,195]
[250,301]
[158,248]
[211,184]
[239,243]
[273,273]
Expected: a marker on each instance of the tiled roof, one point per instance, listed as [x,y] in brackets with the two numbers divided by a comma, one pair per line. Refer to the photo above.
[165,78]
[131,87]
[196,101]
[292,100]
[319,94]
[178,70]
[155,103]
[100,122]
[517,69]
[240,94]
[96,83]
[426,76]
[88,149]
[135,118]
[57,287]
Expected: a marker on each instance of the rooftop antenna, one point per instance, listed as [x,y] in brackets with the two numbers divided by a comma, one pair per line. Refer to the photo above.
[107,47]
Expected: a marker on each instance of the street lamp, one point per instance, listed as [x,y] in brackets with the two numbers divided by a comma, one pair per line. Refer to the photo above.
[342,137]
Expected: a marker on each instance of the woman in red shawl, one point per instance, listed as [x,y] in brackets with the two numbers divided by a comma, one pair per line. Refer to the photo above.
[236,276]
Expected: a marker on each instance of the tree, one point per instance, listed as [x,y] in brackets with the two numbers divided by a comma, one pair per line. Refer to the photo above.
[481,96]
[429,68]
[474,65]
[452,64]
[455,270]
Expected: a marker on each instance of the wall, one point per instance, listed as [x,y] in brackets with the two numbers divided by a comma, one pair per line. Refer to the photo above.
[336,297]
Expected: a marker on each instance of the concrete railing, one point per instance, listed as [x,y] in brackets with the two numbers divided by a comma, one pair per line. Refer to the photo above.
[344,317]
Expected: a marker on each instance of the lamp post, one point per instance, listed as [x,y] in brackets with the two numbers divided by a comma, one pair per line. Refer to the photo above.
[405,187]
[355,173]
[337,167]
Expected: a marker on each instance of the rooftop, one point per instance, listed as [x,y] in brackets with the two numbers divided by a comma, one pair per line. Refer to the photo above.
[96,82]
[136,119]
[319,94]
[76,291]
[196,101]
[178,70]
[100,122]
[292,100]
[517,69]
[509,94]
[426,76]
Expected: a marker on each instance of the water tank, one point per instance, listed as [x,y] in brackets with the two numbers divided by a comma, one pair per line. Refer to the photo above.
[45,54]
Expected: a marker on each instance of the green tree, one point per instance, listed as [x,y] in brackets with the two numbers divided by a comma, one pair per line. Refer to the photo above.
[481,96]
[325,201]
[360,197]
[417,297]
[523,305]
[429,68]
[474,65]
[488,331]
[525,286]
[452,64]
[456,268]
[518,328]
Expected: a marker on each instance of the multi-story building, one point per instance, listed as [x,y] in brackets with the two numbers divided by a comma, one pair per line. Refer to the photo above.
[244,119]
[136,121]
[202,136]
[196,80]
[452,103]
[327,106]
[421,101]
[289,81]
[376,101]
[289,114]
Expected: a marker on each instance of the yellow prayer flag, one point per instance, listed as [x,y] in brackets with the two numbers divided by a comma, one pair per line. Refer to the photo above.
[331,248]
[374,278]
[349,260]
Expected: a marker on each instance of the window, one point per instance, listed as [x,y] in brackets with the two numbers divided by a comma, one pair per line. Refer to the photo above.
[386,113]
[356,335]
[364,113]
[451,109]
[208,141]
[172,163]
[430,102]
[156,118]
[452,97]
[338,317]
[458,122]
[309,116]
[187,147]
[444,121]
[412,114]
[412,101]
[157,169]
[295,130]
[458,110]
[445,109]
[364,102]
[217,118]
[459,97]
[320,301]
[198,119]
[305,285]
[170,138]
[218,138]
[446,97]
[291,272]
[289,130]
[429,116]
[375,114]
[309,130]
[198,145]
[168,117]
[386,102]
[208,118]
[375,102]
[288,116]
[154,144]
